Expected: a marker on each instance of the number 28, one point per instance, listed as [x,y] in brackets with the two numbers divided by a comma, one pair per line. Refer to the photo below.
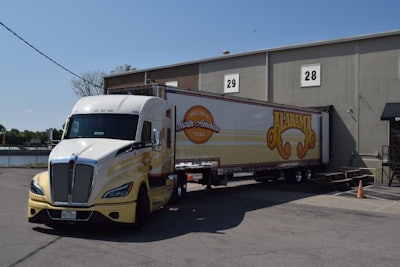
[311,75]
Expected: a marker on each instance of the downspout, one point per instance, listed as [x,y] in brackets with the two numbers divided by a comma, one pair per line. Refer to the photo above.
[357,94]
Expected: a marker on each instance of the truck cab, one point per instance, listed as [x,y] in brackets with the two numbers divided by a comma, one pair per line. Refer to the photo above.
[115,163]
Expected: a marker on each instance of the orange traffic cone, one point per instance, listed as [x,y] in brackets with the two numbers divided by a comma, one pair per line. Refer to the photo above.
[189,177]
[360,192]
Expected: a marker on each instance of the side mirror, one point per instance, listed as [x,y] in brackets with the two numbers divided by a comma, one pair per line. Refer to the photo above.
[157,140]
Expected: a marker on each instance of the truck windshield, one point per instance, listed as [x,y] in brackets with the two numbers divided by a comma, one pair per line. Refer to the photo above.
[114,126]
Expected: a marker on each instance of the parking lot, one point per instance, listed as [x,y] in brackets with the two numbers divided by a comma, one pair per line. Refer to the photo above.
[379,192]
[244,224]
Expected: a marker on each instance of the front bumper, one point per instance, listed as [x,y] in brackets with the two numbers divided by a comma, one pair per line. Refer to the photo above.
[41,212]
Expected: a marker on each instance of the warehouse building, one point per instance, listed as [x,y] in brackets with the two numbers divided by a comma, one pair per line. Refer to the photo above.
[358,78]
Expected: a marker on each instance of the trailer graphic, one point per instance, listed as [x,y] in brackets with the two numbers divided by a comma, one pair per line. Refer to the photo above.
[284,121]
[198,125]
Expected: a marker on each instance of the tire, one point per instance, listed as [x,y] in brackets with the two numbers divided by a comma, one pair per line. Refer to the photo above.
[179,191]
[142,208]
[299,176]
[308,173]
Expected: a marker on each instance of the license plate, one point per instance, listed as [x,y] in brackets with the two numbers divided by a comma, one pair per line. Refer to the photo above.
[68,214]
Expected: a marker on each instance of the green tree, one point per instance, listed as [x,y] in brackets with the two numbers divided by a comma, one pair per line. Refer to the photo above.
[57,134]
[16,137]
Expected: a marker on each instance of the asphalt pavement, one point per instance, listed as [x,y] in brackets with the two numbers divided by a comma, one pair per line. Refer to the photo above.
[244,224]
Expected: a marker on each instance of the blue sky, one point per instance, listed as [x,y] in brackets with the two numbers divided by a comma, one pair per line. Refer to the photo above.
[89,35]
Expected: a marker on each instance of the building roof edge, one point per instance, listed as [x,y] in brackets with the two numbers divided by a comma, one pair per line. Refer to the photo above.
[266,50]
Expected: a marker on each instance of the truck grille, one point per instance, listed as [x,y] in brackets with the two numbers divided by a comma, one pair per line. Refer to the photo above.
[71,185]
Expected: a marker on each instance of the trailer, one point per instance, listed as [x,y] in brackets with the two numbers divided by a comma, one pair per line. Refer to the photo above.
[127,153]
[220,135]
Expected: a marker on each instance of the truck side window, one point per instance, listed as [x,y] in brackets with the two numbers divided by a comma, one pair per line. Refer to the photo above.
[168,115]
[146,132]
[169,138]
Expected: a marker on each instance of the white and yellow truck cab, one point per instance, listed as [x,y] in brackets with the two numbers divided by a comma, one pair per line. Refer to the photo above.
[114,163]
[126,153]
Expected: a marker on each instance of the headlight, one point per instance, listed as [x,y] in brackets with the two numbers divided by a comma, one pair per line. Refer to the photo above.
[36,188]
[121,191]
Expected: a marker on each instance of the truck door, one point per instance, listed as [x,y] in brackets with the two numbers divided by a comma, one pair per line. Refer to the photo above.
[161,158]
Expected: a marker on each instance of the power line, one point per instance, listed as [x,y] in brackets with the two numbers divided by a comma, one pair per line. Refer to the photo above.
[49,58]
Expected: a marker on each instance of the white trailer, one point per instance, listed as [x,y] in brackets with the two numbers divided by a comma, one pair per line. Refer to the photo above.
[221,135]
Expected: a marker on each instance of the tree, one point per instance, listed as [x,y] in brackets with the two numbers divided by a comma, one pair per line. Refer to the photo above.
[57,134]
[91,85]
[92,82]
[16,137]
[121,69]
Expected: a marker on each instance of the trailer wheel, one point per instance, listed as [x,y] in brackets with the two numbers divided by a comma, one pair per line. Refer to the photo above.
[307,175]
[142,208]
[299,176]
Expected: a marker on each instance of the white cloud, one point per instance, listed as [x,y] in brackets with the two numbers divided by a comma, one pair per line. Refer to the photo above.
[28,111]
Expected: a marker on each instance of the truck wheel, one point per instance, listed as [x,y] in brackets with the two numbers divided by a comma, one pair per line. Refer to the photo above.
[142,208]
[179,191]
[184,188]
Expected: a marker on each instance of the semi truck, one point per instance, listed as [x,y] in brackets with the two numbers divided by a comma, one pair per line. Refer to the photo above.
[127,153]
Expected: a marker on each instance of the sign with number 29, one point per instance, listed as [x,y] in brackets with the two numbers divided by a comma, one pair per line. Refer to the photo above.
[231,83]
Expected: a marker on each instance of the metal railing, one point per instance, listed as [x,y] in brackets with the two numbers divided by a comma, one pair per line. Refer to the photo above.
[390,160]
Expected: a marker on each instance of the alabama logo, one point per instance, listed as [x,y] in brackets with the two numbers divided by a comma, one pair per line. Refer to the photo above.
[283,121]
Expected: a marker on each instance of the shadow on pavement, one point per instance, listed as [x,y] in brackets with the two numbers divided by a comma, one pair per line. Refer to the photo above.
[210,211]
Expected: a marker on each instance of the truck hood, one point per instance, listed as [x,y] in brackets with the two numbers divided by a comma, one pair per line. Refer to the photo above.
[88,148]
